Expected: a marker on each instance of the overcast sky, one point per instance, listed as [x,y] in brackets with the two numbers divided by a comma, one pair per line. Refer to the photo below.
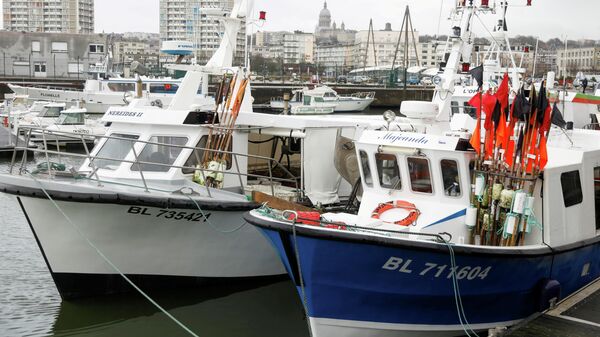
[546,18]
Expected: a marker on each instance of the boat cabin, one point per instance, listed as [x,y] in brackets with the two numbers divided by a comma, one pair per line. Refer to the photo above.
[72,116]
[51,110]
[163,147]
[436,175]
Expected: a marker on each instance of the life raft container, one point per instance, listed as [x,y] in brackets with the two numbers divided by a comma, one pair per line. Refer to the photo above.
[412,216]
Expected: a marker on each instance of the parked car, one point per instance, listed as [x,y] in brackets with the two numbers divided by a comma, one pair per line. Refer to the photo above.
[426,81]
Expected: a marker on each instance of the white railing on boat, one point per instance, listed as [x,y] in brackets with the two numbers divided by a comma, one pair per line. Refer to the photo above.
[50,137]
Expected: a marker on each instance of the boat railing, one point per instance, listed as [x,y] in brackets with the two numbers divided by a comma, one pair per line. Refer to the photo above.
[362,95]
[592,126]
[51,138]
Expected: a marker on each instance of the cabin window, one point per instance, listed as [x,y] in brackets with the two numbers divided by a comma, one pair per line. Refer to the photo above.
[161,156]
[471,111]
[420,175]
[121,87]
[114,148]
[389,173]
[454,107]
[597,195]
[51,111]
[163,88]
[306,100]
[197,156]
[450,177]
[366,169]
[571,188]
[71,119]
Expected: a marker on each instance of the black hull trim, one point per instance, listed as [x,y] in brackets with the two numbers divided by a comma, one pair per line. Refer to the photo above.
[76,285]
[180,202]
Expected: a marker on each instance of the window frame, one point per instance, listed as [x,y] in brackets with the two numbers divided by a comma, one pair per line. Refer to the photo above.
[579,198]
[149,142]
[120,161]
[363,176]
[430,175]
[379,173]
[460,186]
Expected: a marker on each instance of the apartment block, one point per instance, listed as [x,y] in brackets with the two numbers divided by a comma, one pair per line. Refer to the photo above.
[50,16]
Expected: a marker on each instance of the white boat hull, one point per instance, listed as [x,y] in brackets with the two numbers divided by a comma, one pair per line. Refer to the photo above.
[145,241]
[349,105]
[326,327]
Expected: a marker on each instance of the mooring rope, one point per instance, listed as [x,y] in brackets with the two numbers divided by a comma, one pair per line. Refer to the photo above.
[109,262]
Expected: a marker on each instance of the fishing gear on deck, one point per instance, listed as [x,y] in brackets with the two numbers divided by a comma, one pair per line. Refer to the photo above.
[216,157]
[510,157]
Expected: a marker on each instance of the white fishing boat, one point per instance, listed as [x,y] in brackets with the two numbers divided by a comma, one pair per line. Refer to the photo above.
[356,102]
[453,237]
[100,94]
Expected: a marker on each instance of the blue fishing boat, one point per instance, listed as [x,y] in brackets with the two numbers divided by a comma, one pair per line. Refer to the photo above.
[471,217]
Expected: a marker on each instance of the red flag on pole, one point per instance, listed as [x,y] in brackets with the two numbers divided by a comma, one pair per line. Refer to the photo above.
[543,155]
[502,93]
[475,102]
[489,103]
[488,144]
[476,137]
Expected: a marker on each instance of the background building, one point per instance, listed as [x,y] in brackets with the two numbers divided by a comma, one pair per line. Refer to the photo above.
[130,47]
[52,55]
[384,42]
[574,60]
[298,48]
[187,20]
[56,16]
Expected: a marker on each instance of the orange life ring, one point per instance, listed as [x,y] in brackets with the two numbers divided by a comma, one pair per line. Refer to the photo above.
[412,216]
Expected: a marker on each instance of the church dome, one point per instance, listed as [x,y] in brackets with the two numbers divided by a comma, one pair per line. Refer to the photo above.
[325,17]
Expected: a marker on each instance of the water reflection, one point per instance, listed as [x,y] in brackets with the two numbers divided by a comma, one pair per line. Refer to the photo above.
[269,310]
[30,304]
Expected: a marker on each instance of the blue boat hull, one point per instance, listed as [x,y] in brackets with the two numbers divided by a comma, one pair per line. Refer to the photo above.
[349,277]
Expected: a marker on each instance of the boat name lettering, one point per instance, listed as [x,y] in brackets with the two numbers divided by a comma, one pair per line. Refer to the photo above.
[125,113]
[408,266]
[397,137]
[169,214]
[43,94]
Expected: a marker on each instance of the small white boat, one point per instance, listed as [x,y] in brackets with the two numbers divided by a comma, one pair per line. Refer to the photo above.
[358,101]
[47,116]
[328,97]
[71,128]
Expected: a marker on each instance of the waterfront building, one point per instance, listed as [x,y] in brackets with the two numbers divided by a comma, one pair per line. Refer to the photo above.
[189,20]
[57,16]
[298,47]
[335,59]
[52,55]
[575,60]
[384,42]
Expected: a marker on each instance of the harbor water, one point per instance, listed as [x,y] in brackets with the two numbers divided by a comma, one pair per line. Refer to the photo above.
[31,306]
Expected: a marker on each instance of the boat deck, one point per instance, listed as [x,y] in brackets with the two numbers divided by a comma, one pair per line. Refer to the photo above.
[575,316]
